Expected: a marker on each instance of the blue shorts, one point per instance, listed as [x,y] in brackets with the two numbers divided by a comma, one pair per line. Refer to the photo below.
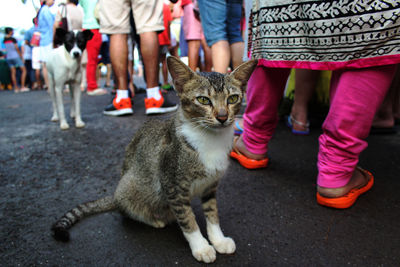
[15,62]
[221,20]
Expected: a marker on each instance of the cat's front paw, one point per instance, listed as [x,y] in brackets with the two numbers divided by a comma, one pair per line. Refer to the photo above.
[225,245]
[205,253]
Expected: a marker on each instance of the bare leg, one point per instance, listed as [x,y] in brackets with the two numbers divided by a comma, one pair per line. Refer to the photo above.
[14,79]
[163,59]
[38,80]
[390,108]
[305,83]
[237,50]
[149,47]
[193,53]
[23,76]
[130,72]
[45,75]
[108,77]
[119,59]
[220,53]
[384,117]
[207,56]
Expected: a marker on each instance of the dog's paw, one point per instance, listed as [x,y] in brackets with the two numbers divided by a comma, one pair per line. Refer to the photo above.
[79,124]
[64,126]
[225,245]
[54,118]
[205,253]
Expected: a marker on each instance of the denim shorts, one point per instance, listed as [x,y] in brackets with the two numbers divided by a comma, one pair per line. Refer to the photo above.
[221,20]
[15,62]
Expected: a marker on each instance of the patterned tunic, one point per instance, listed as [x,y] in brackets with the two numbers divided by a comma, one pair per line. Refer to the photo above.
[325,35]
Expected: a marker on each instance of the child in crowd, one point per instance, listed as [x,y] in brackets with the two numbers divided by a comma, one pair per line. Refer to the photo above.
[14,60]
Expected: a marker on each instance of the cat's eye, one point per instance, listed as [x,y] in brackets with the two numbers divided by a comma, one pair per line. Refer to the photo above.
[204,100]
[232,99]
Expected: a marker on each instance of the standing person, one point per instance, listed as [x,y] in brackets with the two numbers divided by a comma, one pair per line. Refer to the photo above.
[105,59]
[45,27]
[27,53]
[361,77]
[164,39]
[114,19]
[14,60]
[175,27]
[194,35]
[92,47]
[221,20]
[36,66]
[73,14]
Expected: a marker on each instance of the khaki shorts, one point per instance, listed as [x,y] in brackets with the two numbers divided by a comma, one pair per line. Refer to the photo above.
[114,16]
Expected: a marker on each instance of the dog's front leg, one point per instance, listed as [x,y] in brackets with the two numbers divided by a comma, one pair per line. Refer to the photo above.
[55,117]
[60,107]
[76,103]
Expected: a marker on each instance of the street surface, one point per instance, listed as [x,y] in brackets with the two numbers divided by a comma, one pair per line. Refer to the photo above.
[271,214]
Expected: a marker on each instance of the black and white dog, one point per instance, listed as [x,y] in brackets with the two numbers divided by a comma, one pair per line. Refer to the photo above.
[64,67]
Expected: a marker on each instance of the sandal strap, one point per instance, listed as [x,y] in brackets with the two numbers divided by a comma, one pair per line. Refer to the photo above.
[299,122]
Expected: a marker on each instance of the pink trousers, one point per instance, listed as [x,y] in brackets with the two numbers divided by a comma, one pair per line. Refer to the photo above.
[355,97]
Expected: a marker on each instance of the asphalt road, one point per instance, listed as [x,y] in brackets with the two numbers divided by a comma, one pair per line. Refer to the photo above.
[271,214]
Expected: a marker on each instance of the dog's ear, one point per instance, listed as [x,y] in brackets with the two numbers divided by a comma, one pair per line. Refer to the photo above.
[88,35]
[60,34]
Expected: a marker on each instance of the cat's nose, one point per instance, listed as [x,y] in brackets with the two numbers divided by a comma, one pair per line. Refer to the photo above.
[222,119]
[222,116]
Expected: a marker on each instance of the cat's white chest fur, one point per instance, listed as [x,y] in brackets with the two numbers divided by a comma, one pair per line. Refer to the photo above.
[213,147]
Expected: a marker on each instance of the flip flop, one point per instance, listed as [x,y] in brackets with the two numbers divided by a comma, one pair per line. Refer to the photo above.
[289,122]
[347,200]
[237,129]
[247,162]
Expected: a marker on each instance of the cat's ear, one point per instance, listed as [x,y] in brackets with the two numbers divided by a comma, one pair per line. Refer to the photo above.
[244,71]
[180,73]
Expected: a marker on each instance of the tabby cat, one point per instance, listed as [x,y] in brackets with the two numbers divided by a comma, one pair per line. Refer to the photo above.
[168,163]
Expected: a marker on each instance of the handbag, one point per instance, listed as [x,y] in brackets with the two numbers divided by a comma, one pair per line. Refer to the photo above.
[64,21]
[35,40]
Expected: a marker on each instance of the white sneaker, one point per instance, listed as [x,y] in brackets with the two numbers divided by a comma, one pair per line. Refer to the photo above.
[98,91]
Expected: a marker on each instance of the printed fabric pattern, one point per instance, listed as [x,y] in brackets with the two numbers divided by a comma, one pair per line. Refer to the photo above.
[325,35]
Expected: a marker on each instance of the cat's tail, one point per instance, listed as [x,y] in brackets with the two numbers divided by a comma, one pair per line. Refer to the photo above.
[61,226]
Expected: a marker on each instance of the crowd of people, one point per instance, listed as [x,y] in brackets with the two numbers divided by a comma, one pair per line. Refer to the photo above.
[353,41]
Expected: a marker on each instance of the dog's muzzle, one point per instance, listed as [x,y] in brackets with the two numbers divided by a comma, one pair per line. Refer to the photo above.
[75,53]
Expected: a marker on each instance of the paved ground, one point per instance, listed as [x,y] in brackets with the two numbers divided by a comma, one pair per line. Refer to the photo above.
[271,214]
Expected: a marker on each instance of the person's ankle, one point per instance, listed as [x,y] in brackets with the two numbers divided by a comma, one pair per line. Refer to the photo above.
[241,147]
[358,180]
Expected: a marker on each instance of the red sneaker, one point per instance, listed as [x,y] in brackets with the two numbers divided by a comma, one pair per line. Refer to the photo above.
[163,105]
[123,107]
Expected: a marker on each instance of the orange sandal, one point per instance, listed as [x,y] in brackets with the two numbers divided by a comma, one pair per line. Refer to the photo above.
[348,199]
[247,162]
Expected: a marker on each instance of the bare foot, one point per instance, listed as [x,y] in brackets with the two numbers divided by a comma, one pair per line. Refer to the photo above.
[239,146]
[299,122]
[358,180]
